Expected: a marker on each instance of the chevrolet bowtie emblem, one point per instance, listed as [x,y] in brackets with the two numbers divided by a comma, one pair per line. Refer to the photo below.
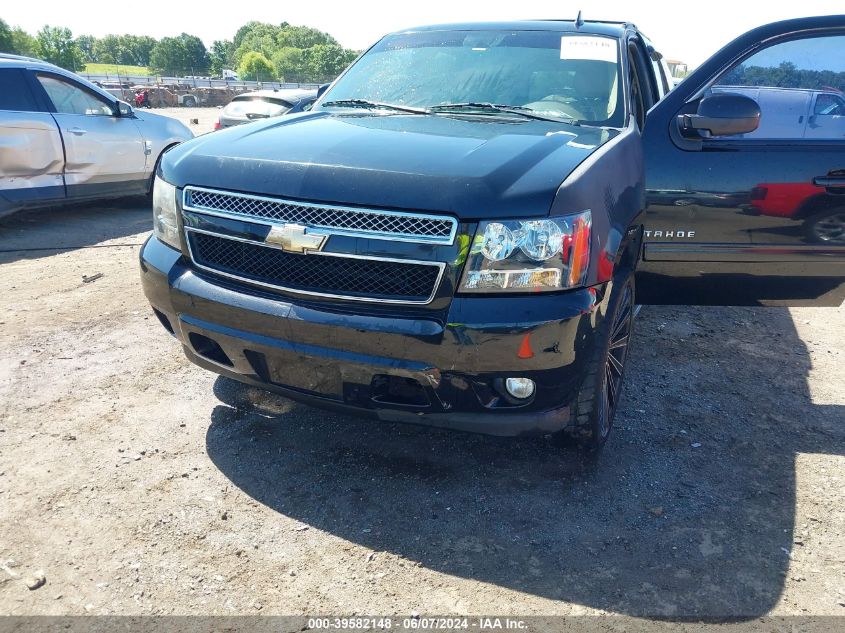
[295,238]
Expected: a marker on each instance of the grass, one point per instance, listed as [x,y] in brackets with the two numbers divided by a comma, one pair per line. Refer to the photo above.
[114,69]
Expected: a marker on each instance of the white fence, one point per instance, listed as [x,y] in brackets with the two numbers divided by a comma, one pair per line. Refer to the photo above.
[194,82]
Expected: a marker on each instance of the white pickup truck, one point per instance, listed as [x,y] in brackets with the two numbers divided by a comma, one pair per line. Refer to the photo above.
[793,113]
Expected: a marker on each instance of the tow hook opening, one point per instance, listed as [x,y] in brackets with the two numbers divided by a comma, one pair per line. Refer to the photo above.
[209,349]
[399,391]
[162,318]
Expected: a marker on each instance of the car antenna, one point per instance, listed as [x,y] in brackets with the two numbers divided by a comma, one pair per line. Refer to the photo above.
[579,21]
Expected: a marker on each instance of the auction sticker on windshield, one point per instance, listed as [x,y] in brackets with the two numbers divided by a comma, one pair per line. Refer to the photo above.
[600,49]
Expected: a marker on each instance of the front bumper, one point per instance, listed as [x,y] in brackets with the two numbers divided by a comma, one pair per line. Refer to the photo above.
[446,370]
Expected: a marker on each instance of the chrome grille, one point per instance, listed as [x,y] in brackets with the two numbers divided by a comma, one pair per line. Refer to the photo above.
[396,225]
[344,277]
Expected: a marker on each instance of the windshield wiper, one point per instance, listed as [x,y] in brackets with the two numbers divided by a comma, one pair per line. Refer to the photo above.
[373,105]
[523,111]
[497,107]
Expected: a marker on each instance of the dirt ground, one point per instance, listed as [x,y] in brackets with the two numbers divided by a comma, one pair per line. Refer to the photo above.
[206,117]
[131,482]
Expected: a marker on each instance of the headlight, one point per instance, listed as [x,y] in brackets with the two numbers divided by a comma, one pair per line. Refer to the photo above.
[529,255]
[165,213]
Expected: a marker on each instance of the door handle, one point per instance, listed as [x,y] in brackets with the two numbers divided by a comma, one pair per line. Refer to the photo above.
[830,182]
[77,130]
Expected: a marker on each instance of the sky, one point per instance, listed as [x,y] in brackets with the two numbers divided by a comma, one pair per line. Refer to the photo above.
[357,25]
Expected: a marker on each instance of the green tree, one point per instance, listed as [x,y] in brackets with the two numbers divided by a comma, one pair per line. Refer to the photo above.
[130,50]
[180,55]
[290,64]
[254,27]
[56,45]
[138,49]
[107,50]
[6,43]
[222,56]
[255,67]
[260,37]
[23,43]
[242,32]
[324,62]
[785,75]
[303,37]
[86,44]
[298,53]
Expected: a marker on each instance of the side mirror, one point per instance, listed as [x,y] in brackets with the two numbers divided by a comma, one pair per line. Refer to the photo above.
[124,109]
[322,89]
[722,114]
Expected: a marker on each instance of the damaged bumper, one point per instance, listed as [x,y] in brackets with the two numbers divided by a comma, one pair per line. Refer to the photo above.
[446,370]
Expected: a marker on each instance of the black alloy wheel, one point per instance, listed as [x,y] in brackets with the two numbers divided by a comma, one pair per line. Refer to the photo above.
[614,366]
[598,397]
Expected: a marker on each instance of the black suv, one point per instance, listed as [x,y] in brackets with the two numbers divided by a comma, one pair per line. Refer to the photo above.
[458,231]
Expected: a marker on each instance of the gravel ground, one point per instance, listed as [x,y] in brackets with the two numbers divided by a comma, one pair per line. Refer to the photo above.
[132,484]
[206,117]
[129,480]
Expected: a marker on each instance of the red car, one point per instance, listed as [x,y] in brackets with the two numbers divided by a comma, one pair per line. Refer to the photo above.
[802,201]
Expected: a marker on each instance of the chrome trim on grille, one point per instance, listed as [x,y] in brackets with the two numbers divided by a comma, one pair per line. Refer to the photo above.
[441,266]
[326,210]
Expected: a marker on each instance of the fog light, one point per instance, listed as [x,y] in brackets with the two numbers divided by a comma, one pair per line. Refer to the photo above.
[520,387]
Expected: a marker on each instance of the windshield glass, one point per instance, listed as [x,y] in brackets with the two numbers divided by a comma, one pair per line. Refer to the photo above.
[555,74]
[257,105]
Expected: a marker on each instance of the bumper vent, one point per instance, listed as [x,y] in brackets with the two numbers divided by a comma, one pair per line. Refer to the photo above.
[396,225]
[340,277]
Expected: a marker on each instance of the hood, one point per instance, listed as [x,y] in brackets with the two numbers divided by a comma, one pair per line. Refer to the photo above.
[472,166]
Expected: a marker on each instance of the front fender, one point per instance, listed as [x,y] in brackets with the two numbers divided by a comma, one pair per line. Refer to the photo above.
[611,184]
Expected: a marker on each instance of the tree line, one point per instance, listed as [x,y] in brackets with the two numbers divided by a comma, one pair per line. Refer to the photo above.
[258,51]
[785,75]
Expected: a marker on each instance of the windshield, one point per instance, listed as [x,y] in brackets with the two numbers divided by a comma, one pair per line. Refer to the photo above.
[555,74]
[257,105]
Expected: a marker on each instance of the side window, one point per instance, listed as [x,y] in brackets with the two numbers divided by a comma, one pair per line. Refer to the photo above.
[15,94]
[657,67]
[669,78]
[69,98]
[798,85]
[828,104]
[660,77]
[637,98]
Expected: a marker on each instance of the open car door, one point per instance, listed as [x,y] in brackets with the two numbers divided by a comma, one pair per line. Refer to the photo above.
[745,176]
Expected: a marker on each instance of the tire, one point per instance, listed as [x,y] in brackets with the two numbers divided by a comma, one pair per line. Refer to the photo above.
[598,398]
[189,102]
[828,227]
